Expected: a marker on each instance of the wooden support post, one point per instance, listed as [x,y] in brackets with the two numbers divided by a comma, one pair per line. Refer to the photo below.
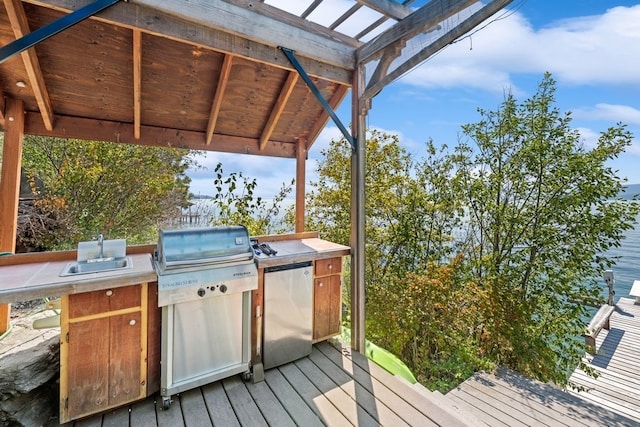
[10,187]
[301,160]
[358,124]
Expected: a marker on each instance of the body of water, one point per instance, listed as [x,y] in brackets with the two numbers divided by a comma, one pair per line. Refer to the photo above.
[628,267]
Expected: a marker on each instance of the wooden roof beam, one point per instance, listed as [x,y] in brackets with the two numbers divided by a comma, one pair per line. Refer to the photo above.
[263,23]
[379,22]
[389,8]
[20,26]
[310,9]
[223,79]
[278,108]
[419,21]
[137,82]
[103,130]
[162,24]
[353,9]
[381,79]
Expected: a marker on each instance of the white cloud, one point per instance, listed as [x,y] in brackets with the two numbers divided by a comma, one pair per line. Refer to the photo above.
[588,137]
[270,172]
[610,112]
[601,49]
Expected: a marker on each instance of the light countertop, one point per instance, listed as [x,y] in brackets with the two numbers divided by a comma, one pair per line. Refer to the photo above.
[293,251]
[29,281]
[39,280]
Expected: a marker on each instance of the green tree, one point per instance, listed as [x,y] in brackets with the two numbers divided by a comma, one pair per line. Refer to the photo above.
[407,222]
[118,190]
[542,211]
[235,202]
[411,213]
[481,256]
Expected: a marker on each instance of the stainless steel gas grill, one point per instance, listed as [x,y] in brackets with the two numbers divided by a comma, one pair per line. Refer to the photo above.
[205,279]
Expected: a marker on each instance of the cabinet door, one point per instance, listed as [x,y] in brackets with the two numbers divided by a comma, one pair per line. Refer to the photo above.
[327,307]
[103,348]
[124,347]
[86,368]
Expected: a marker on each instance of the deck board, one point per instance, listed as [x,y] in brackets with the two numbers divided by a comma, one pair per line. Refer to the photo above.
[524,411]
[617,363]
[219,406]
[336,395]
[270,407]
[370,382]
[332,386]
[407,402]
[143,414]
[319,403]
[116,418]
[300,413]
[172,417]
[546,400]
[194,410]
[496,409]
[336,387]
[357,392]
[243,404]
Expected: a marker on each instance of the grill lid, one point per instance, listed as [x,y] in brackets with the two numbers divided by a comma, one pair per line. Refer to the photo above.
[193,247]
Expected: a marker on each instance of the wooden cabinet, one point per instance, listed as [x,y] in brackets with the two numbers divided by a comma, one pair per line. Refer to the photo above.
[103,350]
[327,298]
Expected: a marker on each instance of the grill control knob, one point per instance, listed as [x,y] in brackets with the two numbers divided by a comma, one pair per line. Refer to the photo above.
[223,288]
[201,292]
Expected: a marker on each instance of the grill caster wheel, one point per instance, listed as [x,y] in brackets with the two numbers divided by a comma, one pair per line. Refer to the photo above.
[166,403]
[246,376]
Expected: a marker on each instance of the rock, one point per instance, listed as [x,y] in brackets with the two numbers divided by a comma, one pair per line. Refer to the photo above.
[29,374]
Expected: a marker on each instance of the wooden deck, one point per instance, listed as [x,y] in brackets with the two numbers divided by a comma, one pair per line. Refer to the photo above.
[510,399]
[618,362]
[336,387]
[331,386]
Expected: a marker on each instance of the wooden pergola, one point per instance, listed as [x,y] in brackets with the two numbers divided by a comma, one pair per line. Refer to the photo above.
[237,76]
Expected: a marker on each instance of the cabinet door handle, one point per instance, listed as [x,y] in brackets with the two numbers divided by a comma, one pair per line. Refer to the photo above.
[132,322]
[109,293]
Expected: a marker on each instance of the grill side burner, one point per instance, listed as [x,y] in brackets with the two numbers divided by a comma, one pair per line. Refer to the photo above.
[205,279]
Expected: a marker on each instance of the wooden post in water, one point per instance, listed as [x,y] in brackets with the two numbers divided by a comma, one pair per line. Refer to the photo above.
[609,280]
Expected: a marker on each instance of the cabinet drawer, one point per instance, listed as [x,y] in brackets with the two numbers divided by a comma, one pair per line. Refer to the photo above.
[325,267]
[103,301]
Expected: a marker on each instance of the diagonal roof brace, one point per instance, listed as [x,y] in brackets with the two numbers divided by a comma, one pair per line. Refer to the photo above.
[316,92]
[53,28]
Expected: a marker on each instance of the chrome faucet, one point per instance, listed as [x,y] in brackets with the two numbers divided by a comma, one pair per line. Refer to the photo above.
[101,244]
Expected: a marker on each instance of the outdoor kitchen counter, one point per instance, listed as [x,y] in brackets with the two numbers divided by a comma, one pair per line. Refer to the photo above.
[42,279]
[299,250]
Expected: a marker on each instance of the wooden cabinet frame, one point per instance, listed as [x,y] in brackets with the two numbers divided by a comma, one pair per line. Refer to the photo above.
[99,335]
[327,298]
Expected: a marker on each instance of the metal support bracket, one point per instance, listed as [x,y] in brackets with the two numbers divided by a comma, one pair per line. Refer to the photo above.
[316,92]
[53,28]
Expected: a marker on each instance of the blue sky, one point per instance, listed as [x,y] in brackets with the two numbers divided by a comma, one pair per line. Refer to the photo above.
[591,47]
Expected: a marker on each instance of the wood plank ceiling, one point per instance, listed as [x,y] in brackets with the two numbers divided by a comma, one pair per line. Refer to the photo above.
[143,75]
[199,74]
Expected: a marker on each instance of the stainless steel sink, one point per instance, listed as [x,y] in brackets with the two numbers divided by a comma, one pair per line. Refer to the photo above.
[96,266]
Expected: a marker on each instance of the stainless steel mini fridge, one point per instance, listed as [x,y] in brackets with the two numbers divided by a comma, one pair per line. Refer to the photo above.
[288,313]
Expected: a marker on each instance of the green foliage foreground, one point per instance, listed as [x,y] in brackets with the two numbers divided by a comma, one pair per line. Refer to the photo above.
[476,256]
[85,188]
